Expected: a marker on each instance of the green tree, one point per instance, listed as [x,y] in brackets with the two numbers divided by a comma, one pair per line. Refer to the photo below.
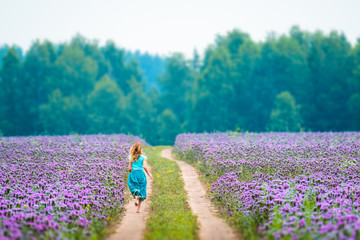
[330,67]
[11,109]
[62,115]
[77,72]
[118,68]
[216,91]
[285,115]
[223,96]
[168,127]
[81,87]
[91,49]
[75,79]
[353,104]
[281,67]
[140,111]
[106,107]
[175,85]
[39,68]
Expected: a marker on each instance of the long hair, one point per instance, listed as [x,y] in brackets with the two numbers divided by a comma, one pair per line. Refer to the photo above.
[135,151]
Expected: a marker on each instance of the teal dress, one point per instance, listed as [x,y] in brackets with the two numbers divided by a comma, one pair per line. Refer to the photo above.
[137,180]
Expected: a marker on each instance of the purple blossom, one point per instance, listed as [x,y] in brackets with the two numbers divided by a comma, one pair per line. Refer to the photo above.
[48,182]
[309,177]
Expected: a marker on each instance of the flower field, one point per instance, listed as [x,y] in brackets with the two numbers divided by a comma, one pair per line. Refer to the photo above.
[62,186]
[282,185]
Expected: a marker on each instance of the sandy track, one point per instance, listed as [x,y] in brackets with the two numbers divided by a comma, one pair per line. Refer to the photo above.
[211,226]
[132,225]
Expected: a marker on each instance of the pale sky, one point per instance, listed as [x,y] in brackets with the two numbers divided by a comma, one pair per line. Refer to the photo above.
[166,26]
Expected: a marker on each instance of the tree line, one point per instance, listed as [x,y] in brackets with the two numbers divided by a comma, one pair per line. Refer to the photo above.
[300,81]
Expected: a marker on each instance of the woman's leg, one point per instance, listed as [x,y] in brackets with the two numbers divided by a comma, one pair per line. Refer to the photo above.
[138,208]
[137,200]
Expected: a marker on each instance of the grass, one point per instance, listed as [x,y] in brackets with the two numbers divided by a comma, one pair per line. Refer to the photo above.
[170,216]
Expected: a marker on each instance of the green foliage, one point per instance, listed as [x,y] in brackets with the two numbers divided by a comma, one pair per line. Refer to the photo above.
[118,67]
[170,215]
[41,71]
[77,71]
[84,88]
[105,103]
[151,67]
[169,126]
[176,83]
[57,116]
[285,116]
[10,108]
[353,105]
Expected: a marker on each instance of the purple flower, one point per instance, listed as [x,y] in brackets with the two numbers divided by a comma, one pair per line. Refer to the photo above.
[39,192]
[296,173]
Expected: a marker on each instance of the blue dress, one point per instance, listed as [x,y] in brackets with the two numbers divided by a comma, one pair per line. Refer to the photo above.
[137,180]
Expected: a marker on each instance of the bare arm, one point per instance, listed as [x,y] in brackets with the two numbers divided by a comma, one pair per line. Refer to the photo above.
[146,169]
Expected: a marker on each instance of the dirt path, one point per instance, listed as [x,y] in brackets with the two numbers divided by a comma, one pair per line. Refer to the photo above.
[211,227]
[132,225]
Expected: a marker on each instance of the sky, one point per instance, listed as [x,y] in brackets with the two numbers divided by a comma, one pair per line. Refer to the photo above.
[167,26]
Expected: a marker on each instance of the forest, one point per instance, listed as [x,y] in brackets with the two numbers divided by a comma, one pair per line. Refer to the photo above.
[300,81]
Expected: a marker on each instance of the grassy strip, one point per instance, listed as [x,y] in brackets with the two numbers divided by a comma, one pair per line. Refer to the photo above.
[170,216]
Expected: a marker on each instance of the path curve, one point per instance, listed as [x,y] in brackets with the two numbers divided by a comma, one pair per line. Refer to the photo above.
[132,225]
[211,226]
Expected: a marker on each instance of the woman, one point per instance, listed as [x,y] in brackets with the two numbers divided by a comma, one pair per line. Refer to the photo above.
[137,180]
